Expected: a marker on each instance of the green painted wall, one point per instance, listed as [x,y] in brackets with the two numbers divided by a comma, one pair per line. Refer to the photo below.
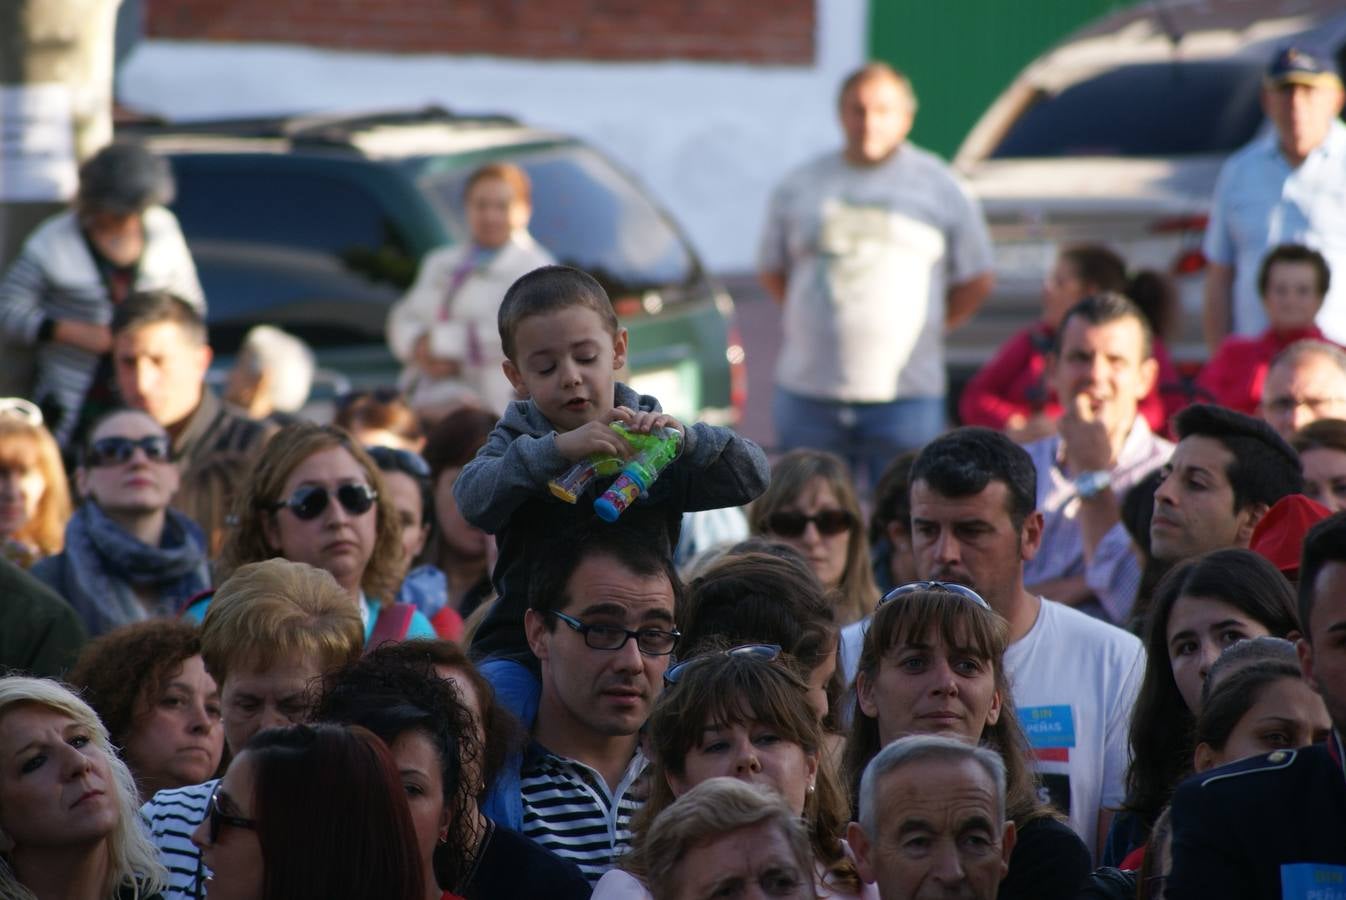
[960,54]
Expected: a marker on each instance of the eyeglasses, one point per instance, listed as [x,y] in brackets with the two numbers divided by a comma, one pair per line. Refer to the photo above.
[948,587]
[217,817]
[828,522]
[116,451]
[763,652]
[19,408]
[393,459]
[308,502]
[650,641]
[1284,406]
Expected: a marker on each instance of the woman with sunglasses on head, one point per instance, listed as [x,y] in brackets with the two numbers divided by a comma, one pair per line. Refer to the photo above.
[315,496]
[742,712]
[1200,607]
[810,505]
[69,825]
[311,811]
[34,497]
[933,662]
[128,556]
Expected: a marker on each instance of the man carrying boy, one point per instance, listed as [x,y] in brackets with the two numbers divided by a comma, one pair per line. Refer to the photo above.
[563,346]
[1293,282]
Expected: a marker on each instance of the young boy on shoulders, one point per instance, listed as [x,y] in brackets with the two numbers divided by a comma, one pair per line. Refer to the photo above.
[1293,282]
[563,347]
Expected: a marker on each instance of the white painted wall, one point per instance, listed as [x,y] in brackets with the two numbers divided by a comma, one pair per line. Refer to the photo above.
[710,140]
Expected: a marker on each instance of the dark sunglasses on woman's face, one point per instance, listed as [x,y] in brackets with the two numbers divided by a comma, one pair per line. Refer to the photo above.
[828,522]
[115,451]
[308,502]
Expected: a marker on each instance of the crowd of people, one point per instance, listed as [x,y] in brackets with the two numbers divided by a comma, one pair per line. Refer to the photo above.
[1092,643]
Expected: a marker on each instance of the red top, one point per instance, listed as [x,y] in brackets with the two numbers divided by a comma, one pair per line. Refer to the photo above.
[1015,381]
[1234,376]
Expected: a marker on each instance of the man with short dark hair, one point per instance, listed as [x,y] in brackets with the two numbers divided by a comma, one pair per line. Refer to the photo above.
[974,522]
[1226,472]
[161,357]
[1101,367]
[1275,825]
[601,622]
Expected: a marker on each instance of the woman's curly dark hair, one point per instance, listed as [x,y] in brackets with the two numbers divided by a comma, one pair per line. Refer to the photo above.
[392,696]
[122,673]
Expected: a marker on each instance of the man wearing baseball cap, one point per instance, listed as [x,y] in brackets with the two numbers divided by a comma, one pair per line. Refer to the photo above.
[1287,186]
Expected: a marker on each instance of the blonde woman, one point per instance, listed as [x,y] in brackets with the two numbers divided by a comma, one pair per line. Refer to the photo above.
[34,492]
[68,820]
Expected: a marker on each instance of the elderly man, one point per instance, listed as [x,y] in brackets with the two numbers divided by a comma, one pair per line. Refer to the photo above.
[1285,187]
[943,832]
[875,251]
[272,375]
[1275,825]
[1101,367]
[1306,382]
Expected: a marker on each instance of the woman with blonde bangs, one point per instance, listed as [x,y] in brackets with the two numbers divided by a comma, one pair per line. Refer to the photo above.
[811,506]
[933,662]
[742,712]
[315,496]
[69,819]
[34,489]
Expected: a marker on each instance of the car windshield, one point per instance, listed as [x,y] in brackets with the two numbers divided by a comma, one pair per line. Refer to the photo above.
[586,212]
[1149,109]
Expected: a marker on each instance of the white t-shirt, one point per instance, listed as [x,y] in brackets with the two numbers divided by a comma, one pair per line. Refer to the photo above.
[1075,680]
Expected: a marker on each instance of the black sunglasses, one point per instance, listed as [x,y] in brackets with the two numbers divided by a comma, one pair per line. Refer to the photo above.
[393,459]
[218,817]
[763,652]
[828,522]
[115,451]
[947,587]
[308,502]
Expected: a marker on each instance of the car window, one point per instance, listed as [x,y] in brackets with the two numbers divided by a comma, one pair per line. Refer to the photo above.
[1150,109]
[588,214]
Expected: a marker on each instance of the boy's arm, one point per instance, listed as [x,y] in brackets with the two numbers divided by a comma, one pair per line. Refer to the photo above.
[511,468]
[719,468]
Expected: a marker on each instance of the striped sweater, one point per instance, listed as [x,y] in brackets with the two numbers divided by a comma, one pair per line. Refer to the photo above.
[56,277]
[172,816]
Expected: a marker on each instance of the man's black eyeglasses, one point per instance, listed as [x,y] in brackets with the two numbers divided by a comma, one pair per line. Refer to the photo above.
[650,641]
[217,817]
[308,502]
[948,587]
[828,522]
[763,652]
[393,459]
[116,451]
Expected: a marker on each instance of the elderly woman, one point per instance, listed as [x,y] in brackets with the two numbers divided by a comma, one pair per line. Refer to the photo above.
[150,687]
[724,832]
[316,497]
[933,662]
[68,822]
[810,505]
[743,712]
[311,811]
[444,330]
[34,492]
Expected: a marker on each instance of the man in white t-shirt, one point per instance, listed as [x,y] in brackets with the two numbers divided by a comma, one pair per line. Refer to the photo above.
[874,250]
[974,522]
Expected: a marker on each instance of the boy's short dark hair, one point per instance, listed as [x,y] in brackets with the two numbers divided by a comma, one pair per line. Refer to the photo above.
[152,307]
[1295,253]
[1325,543]
[1265,468]
[557,559]
[547,290]
[1101,309]
[964,461]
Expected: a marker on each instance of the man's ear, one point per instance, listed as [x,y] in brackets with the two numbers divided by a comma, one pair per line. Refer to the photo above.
[515,377]
[1247,519]
[204,356]
[1030,536]
[535,627]
[1149,376]
[1007,847]
[860,848]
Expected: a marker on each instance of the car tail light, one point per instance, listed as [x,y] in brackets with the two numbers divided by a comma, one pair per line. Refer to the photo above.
[1189,262]
[1179,223]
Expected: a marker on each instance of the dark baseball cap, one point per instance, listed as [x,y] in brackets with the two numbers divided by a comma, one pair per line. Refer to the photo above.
[1302,65]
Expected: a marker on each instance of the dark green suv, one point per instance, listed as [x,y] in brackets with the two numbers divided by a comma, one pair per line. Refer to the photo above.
[318,225]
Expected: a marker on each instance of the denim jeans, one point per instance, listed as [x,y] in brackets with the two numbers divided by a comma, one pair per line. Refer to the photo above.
[866,435]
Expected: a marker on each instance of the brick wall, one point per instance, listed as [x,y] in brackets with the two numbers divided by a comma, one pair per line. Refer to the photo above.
[780,32]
